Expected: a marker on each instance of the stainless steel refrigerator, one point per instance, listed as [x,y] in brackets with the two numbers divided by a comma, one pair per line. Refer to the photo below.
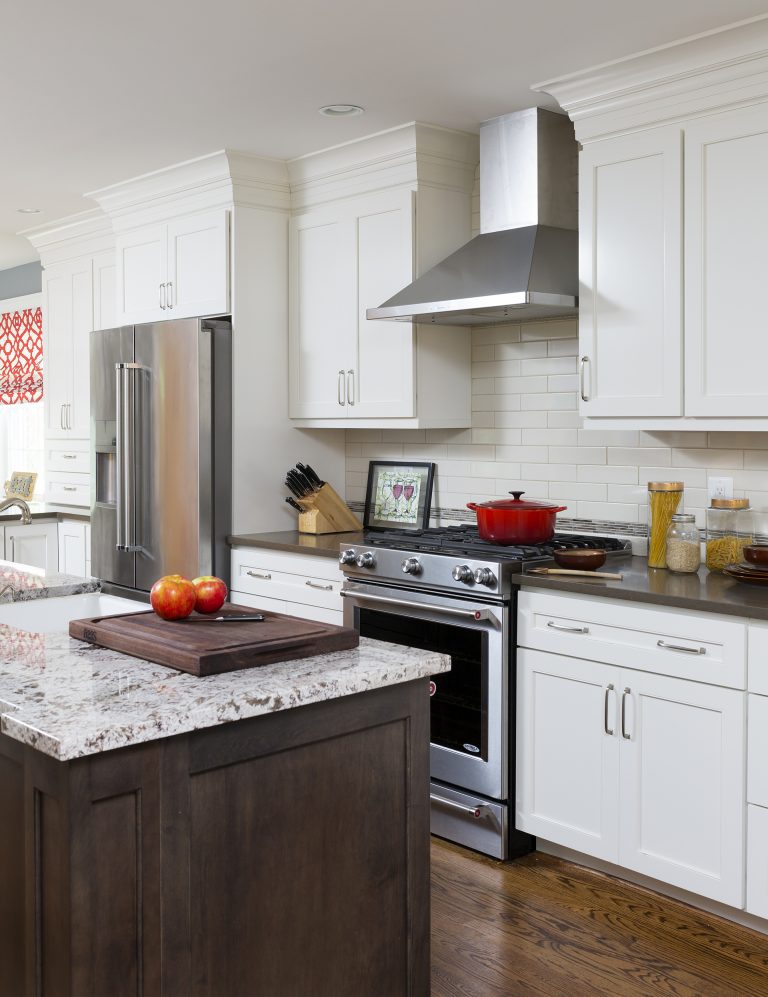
[161,451]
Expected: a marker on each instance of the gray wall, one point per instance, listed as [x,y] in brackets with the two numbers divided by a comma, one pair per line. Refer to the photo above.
[26,279]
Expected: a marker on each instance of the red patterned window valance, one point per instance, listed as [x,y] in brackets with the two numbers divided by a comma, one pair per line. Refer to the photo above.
[21,356]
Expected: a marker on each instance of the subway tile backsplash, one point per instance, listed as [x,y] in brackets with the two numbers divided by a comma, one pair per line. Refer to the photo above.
[526,434]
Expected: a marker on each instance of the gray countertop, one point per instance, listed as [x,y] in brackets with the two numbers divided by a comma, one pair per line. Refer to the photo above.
[705,591]
[47,510]
[320,544]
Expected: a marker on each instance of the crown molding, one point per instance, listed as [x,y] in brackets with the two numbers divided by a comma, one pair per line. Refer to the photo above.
[701,74]
[82,234]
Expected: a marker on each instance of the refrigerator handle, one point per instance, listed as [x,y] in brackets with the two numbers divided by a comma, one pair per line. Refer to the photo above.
[126,456]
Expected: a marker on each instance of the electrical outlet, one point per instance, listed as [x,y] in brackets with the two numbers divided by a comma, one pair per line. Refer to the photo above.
[720,487]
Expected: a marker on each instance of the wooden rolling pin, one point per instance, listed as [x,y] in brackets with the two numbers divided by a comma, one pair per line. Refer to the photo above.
[604,575]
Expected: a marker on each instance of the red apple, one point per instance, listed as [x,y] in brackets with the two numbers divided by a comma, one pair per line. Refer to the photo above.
[211,593]
[173,597]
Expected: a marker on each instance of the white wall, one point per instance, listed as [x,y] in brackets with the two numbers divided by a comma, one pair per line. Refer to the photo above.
[526,434]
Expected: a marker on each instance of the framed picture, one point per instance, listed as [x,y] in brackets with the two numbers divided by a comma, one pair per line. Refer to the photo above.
[399,495]
[21,485]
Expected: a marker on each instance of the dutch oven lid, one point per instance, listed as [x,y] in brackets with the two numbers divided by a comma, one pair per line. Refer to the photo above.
[517,504]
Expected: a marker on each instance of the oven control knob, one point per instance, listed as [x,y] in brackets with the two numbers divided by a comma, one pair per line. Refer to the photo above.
[366,560]
[347,557]
[411,566]
[463,573]
[484,576]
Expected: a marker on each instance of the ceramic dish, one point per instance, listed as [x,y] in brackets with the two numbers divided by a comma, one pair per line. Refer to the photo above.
[746,573]
[757,554]
[584,560]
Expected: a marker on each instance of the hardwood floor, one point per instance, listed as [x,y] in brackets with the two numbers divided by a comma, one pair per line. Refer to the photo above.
[544,926]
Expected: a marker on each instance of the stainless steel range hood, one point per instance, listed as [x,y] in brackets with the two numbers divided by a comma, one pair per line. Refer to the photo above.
[524,264]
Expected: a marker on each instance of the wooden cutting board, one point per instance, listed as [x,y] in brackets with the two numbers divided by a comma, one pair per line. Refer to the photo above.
[211,648]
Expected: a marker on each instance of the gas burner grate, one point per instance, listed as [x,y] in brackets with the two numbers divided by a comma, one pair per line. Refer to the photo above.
[463,538]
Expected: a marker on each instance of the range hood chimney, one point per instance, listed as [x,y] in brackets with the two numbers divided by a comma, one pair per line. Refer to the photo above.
[524,264]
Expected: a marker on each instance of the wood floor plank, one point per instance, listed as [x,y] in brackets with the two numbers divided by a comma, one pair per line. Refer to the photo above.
[544,926]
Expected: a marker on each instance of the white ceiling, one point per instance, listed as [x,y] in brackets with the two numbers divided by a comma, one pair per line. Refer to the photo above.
[98,92]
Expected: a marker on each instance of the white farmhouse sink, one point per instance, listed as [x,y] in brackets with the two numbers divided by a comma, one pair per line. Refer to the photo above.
[49,616]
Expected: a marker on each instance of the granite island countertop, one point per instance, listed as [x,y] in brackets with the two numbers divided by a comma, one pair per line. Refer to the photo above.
[68,699]
[704,592]
[21,583]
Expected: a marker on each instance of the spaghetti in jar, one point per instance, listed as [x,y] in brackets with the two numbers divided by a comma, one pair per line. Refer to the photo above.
[665,498]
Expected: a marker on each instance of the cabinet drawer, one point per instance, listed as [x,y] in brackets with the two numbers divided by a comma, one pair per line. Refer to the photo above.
[61,456]
[757,680]
[757,861]
[305,611]
[757,750]
[684,645]
[69,489]
[284,579]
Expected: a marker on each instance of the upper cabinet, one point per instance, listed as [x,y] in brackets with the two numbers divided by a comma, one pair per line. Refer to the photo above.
[68,321]
[177,269]
[673,215]
[350,249]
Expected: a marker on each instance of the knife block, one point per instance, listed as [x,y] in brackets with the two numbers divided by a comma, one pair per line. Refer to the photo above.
[326,512]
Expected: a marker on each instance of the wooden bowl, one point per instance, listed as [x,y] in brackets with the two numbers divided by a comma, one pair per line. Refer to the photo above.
[582,560]
[757,554]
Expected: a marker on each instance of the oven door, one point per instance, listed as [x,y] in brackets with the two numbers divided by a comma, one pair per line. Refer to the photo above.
[469,713]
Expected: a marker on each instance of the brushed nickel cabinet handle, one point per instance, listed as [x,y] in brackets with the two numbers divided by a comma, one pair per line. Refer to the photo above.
[680,647]
[609,689]
[69,488]
[627,692]
[317,585]
[169,293]
[257,574]
[61,416]
[69,415]
[162,297]
[350,387]
[582,368]
[340,388]
[69,456]
[567,630]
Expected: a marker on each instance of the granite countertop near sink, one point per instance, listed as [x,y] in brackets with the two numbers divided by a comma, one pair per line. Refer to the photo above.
[47,510]
[321,544]
[19,583]
[705,592]
[68,699]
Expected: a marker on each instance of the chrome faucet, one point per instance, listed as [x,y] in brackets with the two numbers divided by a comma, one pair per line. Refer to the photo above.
[26,515]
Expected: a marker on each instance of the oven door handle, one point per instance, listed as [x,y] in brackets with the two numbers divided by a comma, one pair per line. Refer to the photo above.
[476,812]
[471,614]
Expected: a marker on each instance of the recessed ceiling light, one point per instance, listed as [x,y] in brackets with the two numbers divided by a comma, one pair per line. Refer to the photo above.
[29,211]
[340,110]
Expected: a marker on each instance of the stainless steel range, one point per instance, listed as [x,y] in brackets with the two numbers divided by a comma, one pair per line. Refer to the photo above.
[447,590]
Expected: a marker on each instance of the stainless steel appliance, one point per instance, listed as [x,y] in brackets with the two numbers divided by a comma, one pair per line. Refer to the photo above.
[161,465]
[447,590]
[524,264]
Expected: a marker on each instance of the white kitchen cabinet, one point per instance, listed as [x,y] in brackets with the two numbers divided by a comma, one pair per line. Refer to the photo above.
[726,258]
[307,586]
[68,311]
[630,261]
[641,769]
[104,290]
[35,544]
[72,550]
[757,861]
[176,269]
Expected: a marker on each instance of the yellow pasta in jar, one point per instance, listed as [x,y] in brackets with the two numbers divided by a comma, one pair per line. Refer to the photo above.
[663,501]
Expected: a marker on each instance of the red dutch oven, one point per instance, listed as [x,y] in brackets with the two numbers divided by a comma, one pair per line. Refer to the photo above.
[516,521]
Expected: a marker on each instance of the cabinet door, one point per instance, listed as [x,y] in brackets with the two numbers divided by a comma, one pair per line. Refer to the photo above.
[757,861]
[322,313]
[72,554]
[382,384]
[68,296]
[142,274]
[104,291]
[35,545]
[198,265]
[682,784]
[568,752]
[726,258]
[630,321]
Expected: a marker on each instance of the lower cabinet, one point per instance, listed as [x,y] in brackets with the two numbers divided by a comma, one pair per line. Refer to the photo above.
[757,861]
[74,553]
[642,770]
[299,585]
[35,544]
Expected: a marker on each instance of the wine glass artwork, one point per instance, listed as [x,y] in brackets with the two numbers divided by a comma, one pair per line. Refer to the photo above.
[399,494]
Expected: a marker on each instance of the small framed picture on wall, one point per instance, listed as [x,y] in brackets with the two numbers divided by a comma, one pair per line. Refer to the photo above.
[399,495]
[21,485]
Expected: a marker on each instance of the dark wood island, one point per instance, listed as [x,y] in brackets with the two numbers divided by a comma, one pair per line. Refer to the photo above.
[258,833]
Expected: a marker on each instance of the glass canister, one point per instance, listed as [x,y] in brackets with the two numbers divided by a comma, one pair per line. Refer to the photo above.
[683,551]
[665,498]
[729,530]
